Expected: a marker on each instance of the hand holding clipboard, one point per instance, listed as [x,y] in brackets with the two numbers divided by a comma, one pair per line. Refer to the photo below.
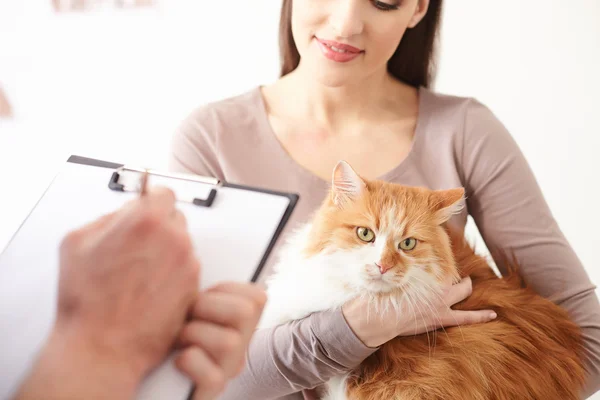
[24,280]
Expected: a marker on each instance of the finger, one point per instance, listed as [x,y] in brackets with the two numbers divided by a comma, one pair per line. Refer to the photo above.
[179,220]
[250,291]
[160,200]
[459,292]
[198,366]
[448,281]
[225,346]
[227,309]
[469,317]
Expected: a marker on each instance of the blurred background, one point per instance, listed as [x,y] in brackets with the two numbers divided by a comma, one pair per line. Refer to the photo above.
[113,79]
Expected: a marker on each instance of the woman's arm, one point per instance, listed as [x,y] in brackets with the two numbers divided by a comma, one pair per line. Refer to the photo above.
[512,215]
[298,355]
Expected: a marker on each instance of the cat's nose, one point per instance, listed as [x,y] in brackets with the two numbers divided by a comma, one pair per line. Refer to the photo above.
[383,268]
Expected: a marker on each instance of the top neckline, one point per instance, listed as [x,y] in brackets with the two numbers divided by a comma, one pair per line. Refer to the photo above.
[271,140]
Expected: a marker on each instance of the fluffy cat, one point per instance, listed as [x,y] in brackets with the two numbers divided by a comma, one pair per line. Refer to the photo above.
[391,244]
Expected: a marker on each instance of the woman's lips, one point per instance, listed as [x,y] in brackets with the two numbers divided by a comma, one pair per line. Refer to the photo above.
[338,52]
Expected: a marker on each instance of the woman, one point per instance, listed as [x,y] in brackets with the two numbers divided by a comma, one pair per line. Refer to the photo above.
[355,85]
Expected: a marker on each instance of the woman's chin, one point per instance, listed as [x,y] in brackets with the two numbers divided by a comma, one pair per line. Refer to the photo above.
[332,77]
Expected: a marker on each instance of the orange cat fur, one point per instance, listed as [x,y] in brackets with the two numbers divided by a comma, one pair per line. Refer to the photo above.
[531,351]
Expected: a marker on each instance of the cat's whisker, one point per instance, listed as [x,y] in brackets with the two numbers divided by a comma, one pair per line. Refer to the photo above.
[426,260]
[426,327]
[371,299]
[435,292]
[396,303]
[424,300]
[437,315]
[413,311]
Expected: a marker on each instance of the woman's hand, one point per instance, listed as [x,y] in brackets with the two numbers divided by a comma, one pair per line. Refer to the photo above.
[414,316]
[215,340]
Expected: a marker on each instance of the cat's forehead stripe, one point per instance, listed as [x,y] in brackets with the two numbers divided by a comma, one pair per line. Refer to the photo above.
[393,221]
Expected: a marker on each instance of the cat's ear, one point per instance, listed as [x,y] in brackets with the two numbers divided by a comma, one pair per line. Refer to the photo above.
[346,184]
[446,203]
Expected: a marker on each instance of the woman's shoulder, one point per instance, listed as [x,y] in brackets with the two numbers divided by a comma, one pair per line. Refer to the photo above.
[473,136]
[447,106]
[215,131]
[233,113]
[228,108]
[462,116]
[480,140]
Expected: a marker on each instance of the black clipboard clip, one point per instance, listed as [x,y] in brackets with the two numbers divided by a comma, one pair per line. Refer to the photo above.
[116,185]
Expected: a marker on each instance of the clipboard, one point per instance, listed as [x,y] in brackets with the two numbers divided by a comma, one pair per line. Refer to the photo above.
[233,228]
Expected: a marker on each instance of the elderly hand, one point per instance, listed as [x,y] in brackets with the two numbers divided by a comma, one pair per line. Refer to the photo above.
[127,282]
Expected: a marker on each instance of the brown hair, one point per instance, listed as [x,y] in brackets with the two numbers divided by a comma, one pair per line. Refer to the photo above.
[413,61]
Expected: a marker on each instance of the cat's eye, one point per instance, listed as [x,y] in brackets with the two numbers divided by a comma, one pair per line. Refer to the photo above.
[365,234]
[407,244]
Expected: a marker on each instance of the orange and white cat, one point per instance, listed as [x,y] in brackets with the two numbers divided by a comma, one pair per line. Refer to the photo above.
[390,243]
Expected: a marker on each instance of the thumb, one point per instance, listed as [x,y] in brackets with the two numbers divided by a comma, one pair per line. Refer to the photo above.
[458,317]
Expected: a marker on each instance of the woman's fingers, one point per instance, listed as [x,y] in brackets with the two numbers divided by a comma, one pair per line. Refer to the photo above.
[456,294]
[459,292]
[199,367]
[457,318]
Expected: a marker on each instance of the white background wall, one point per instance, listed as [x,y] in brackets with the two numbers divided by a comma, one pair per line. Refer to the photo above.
[115,85]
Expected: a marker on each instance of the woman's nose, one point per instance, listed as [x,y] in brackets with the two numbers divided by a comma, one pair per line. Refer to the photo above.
[345,18]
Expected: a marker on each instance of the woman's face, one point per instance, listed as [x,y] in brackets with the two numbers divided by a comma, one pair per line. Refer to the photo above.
[345,41]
